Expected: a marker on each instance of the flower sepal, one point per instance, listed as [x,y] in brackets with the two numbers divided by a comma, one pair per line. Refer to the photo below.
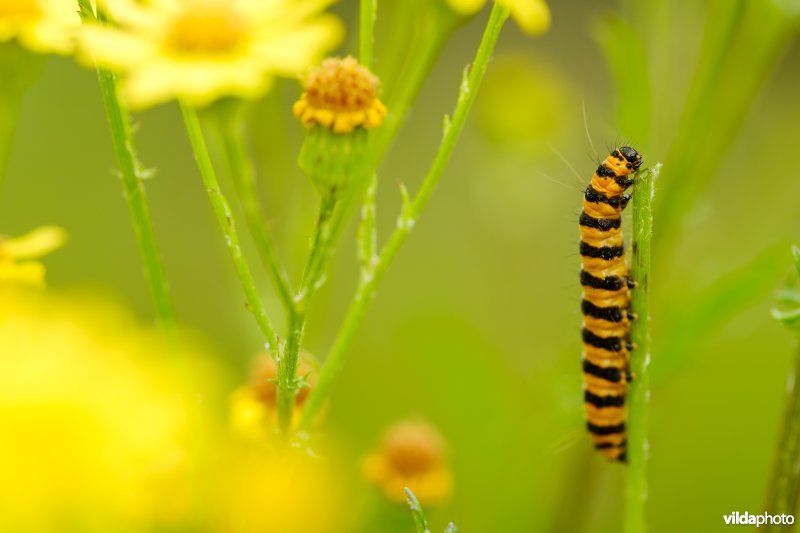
[335,163]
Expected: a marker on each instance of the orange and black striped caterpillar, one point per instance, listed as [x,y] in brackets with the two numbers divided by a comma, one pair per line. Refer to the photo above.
[606,303]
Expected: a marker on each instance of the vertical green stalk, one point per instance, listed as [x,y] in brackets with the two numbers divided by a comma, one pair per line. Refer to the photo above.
[366,31]
[19,70]
[9,111]
[244,179]
[132,176]
[407,90]
[412,209]
[785,483]
[639,389]
[227,225]
[784,488]
[367,234]
[321,246]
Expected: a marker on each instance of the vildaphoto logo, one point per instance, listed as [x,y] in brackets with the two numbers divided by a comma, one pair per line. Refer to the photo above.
[746,519]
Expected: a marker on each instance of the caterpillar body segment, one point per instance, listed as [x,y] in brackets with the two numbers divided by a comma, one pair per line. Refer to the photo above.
[605,305]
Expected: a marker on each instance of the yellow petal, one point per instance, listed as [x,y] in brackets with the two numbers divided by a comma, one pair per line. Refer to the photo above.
[533,16]
[30,273]
[291,53]
[466,7]
[37,243]
[112,49]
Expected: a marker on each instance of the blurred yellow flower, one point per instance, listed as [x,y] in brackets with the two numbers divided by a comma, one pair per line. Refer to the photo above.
[16,267]
[93,418]
[254,413]
[533,16]
[40,25]
[282,490]
[340,95]
[201,50]
[411,454]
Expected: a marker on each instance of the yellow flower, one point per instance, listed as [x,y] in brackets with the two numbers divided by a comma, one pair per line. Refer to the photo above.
[253,406]
[282,490]
[16,267]
[95,433]
[340,95]
[533,16]
[40,25]
[202,50]
[412,454]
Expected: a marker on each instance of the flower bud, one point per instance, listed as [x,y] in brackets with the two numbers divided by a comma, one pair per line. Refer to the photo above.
[339,106]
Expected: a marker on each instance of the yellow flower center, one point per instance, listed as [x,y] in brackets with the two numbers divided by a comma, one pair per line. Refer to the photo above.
[341,94]
[19,10]
[207,30]
[341,85]
[412,458]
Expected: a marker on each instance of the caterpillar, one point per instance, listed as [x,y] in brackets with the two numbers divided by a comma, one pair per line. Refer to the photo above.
[605,305]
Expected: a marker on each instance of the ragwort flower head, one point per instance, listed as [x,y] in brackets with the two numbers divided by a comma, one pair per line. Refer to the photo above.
[341,95]
[201,50]
[40,25]
[533,16]
[412,454]
[339,106]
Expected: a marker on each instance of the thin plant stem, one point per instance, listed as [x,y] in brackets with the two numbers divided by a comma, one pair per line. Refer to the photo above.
[367,231]
[366,31]
[407,90]
[784,486]
[639,388]
[227,225]
[367,234]
[9,112]
[420,521]
[321,244]
[132,176]
[371,277]
[244,178]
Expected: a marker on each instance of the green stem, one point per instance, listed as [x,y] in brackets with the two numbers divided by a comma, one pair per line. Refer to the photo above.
[320,252]
[9,112]
[366,31]
[19,70]
[244,179]
[785,484]
[371,278]
[132,181]
[227,224]
[367,235]
[407,90]
[367,231]
[420,521]
[639,389]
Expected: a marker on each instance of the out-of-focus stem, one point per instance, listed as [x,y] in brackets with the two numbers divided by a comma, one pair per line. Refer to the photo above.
[227,225]
[244,178]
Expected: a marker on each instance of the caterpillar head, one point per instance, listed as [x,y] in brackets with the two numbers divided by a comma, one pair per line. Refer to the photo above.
[631,156]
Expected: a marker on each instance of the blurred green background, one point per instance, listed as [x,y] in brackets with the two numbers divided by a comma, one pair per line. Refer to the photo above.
[476,326]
